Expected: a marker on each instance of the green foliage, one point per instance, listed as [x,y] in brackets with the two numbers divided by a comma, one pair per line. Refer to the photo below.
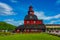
[30,36]
[53,28]
[6,26]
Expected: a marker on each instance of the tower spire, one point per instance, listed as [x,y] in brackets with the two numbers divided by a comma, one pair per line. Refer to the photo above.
[30,8]
[30,12]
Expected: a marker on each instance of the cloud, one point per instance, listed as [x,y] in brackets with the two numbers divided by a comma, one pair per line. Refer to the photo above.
[5,9]
[13,22]
[55,22]
[57,16]
[58,1]
[41,15]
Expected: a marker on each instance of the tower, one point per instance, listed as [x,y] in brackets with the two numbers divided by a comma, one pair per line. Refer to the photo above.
[31,18]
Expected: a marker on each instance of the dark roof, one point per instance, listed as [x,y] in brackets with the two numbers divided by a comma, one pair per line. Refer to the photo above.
[32,27]
[52,24]
[34,20]
[27,17]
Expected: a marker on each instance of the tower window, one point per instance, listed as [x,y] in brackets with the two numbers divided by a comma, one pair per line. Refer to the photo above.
[30,12]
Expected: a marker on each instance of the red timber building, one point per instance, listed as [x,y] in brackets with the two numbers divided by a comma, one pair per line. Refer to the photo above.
[31,23]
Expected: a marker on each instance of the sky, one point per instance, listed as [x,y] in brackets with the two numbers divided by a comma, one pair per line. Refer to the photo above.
[14,11]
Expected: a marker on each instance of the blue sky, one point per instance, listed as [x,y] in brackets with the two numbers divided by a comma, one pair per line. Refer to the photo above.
[14,11]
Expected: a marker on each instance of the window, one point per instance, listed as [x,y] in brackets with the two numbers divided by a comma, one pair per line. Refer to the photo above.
[18,30]
[34,22]
[27,21]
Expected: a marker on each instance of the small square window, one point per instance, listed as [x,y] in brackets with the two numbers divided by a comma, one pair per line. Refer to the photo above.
[27,21]
[34,21]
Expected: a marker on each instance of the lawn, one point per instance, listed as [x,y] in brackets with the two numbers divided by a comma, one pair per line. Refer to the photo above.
[30,36]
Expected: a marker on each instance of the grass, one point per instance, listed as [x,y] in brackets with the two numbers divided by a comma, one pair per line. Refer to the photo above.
[30,36]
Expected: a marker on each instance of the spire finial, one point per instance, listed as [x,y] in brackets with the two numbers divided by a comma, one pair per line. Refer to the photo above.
[30,6]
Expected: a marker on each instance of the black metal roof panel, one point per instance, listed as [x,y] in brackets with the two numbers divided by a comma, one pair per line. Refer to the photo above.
[30,17]
[32,27]
[52,24]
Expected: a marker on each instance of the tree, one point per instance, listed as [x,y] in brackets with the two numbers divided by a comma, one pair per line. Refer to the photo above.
[6,26]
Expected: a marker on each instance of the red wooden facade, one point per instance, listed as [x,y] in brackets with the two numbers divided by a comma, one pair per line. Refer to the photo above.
[31,22]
